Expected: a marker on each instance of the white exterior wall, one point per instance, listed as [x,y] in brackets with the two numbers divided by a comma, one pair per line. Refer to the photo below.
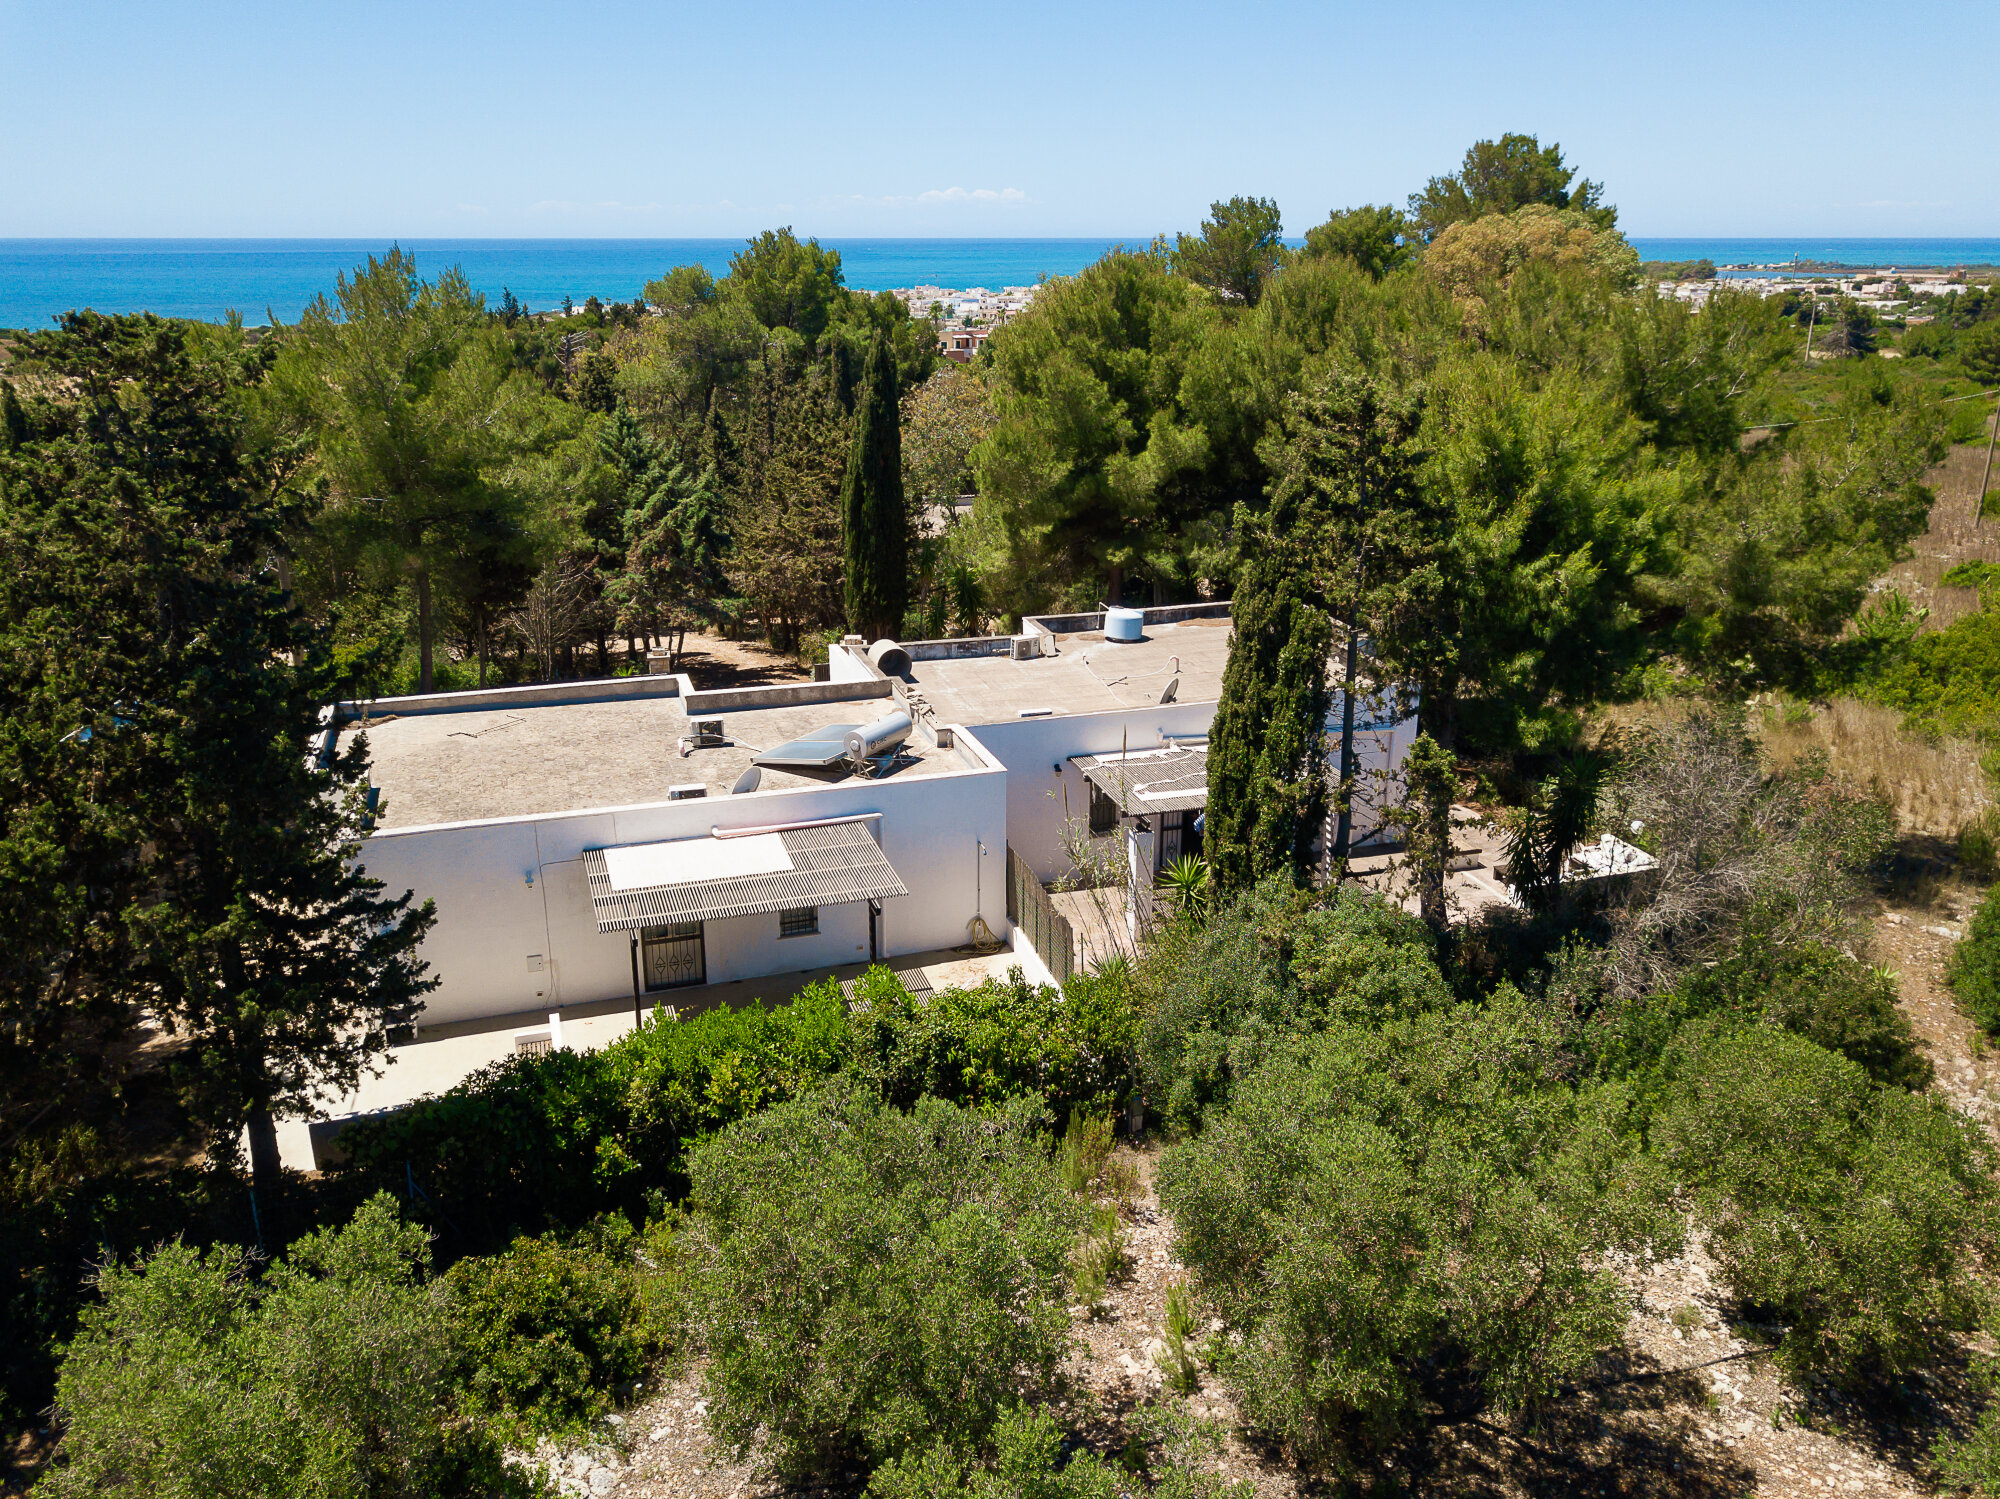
[491,919]
[1037,751]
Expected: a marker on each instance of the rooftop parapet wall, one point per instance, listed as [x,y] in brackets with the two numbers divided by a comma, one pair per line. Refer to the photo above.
[1163,614]
[536,695]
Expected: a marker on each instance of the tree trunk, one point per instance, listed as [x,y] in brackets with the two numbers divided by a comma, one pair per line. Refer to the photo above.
[266,1170]
[424,676]
[1115,589]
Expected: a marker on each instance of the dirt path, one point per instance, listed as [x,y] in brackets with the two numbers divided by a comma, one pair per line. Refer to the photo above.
[1685,1409]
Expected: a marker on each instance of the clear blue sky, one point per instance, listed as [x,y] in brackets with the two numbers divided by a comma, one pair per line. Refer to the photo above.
[597,117]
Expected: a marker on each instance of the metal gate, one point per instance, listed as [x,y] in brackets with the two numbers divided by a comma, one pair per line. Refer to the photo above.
[674,956]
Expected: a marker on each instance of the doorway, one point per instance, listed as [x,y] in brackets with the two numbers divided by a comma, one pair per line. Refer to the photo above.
[674,957]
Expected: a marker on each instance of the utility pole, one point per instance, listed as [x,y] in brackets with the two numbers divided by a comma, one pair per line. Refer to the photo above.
[1979,499]
[1805,354]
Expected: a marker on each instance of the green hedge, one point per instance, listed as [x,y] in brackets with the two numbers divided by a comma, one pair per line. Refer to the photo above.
[535,1143]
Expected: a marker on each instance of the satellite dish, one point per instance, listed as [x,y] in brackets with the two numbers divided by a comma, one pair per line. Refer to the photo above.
[1173,688]
[748,781]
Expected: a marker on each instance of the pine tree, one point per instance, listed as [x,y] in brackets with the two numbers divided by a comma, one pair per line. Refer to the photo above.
[188,862]
[874,522]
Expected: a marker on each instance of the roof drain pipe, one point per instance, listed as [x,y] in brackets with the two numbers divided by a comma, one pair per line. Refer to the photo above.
[787,827]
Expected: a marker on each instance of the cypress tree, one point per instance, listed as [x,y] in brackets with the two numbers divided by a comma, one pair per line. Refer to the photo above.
[874,523]
[1267,745]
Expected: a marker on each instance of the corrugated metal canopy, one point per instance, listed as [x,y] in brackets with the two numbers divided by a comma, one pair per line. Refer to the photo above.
[830,866]
[1146,781]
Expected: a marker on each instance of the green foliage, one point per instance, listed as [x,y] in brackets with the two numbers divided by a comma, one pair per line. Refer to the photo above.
[1027,1463]
[1946,680]
[1800,532]
[1098,1257]
[550,1328]
[1377,238]
[405,395]
[1501,176]
[1972,1462]
[330,1376]
[785,282]
[1558,816]
[1187,883]
[1238,250]
[1818,992]
[875,530]
[174,852]
[548,1142]
[1852,1215]
[1097,452]
[1979,351]
[1975,966]
[1179,1363]
[1086,1146]
[1187,1447]
[1269,966]
[877,1281]
[1430,1198]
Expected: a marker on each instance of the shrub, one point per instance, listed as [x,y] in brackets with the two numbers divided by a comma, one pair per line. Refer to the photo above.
[1843,1210]
[1975,967]
[875,1281]
[1086,1147]
[1027,1464]
[330,1377]
[1382,1207]
[1068,1047]
[1275,962]
[1177,1358]
[1972,1462]
[550,1328]
[1820,993]
[539,1143]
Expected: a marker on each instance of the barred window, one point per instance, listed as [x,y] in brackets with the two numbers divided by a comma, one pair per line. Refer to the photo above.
[803,922]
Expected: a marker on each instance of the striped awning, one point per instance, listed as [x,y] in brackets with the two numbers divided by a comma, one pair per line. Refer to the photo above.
[708,879]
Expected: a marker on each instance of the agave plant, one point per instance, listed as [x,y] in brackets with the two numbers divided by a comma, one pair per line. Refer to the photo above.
[1186,880]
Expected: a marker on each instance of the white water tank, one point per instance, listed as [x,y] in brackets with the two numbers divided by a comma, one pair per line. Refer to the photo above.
[883,737]
[1124,625]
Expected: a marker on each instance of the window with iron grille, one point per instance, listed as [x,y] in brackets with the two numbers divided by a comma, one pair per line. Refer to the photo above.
[803,922]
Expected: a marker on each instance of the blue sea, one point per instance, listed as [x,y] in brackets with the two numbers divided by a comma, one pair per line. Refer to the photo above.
[261,278]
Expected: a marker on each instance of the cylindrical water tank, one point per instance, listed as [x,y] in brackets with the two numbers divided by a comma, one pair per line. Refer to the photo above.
[890,658]
[883,737]
[1124,624]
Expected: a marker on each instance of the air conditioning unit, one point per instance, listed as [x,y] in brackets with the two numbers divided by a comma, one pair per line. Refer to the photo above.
[708,728]
[1024,647]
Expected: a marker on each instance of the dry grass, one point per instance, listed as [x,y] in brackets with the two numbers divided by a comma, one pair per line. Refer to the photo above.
[1955,534]
[1935,789]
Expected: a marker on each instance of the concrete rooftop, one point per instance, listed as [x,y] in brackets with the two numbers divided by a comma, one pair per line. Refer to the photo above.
[515,762]
[1087,675]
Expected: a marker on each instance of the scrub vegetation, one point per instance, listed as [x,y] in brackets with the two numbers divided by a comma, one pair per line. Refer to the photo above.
[1636,560]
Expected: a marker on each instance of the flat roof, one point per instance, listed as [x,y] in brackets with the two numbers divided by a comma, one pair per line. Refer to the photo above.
[1088,674]
[518,762]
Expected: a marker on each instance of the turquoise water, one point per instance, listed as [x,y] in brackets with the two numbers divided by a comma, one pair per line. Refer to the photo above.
[207,278]
[1870,252]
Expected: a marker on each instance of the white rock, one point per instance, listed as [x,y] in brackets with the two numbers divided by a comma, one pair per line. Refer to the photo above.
[602,1480]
